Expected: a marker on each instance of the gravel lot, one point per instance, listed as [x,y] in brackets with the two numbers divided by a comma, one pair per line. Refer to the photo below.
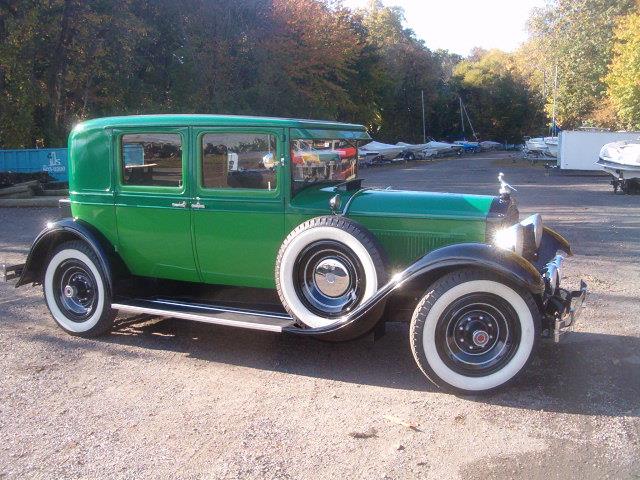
[162,398]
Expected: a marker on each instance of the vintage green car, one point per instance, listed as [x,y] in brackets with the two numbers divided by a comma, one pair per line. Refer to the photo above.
[263,223]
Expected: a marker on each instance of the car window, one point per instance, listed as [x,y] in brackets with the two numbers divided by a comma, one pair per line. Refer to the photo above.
[239,160]
[152,159]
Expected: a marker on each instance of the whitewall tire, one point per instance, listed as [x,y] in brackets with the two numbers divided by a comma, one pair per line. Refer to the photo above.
[76,291]
[326,267]
[473,332]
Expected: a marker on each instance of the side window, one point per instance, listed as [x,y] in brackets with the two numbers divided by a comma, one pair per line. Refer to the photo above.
[239,160]
[152,159]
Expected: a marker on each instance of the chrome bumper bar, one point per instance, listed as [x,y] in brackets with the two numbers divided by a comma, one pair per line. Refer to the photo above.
[11,272]
[574,303]
[563,307]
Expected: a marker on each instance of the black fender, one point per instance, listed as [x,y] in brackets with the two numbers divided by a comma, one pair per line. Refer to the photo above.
[61,231]
[514,268]
[550,244]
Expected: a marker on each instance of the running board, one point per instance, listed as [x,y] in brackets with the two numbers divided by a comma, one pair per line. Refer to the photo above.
[218,315]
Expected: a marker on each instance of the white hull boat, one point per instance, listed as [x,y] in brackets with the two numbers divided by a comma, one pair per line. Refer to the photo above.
[386,150]
[552,145]
[489,145]
[543,147]
[622,161]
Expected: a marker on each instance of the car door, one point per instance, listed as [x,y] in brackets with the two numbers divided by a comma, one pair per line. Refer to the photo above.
[152,202]
[238,209]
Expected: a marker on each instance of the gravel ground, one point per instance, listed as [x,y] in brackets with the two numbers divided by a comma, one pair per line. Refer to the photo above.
[162,398]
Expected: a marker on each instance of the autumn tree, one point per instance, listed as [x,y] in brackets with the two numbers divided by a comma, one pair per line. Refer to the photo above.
[576,37]
[623,79]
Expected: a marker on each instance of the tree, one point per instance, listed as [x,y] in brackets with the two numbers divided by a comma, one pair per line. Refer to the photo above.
[576,36]
[497,98]
[623,79]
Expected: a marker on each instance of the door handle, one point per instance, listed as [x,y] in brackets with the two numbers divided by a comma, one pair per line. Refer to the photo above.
[197,204]
[182,204]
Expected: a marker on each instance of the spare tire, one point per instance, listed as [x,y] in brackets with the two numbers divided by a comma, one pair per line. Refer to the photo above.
[326,267]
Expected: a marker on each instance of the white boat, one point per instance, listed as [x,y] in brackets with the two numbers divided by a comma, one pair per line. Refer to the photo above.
[543,147]
[552,145]
[489,145]
[442,148]
[622,161]
[386,150]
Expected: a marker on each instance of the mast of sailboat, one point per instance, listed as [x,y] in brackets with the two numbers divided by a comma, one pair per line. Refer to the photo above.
[463,112]
[555,92]
[464,137]
[424,125]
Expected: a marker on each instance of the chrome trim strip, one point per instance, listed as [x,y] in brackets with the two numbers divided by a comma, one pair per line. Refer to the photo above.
[202,318]
[220,309]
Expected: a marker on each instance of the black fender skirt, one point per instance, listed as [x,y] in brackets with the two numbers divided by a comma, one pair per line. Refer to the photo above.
[509,265]
[60,231]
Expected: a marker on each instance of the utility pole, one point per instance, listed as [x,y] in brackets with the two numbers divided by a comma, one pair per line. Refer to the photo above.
[424,125]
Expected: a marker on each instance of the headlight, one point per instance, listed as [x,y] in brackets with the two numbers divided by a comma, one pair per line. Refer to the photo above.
[511,238]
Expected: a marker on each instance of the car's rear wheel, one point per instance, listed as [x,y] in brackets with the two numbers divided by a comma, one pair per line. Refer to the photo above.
[326,267]
[76,292]
[473,332]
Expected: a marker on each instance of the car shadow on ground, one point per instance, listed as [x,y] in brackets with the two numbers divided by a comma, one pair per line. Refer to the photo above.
[589,373]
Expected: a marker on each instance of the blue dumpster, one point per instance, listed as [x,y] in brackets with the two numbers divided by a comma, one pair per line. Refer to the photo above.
[50,160]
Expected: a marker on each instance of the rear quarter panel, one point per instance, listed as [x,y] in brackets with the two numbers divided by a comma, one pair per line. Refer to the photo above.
[91,179]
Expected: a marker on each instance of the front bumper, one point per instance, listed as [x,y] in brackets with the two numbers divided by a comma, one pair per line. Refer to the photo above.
[562,307]
[11,272]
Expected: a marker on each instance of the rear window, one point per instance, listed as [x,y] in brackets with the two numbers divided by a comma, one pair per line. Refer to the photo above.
[152,159]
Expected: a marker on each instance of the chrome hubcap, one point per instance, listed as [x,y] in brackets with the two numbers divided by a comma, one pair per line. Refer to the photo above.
[331,277]
[328,278]
[480,338]
[70,291]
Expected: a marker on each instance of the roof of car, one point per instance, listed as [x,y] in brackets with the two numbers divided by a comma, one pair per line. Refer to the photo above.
[208,120]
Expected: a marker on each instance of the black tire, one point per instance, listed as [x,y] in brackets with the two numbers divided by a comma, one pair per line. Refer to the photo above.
[326,267]
[472,332]
[76,291]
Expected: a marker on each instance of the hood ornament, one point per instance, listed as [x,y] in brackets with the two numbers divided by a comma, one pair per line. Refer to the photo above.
[505,188]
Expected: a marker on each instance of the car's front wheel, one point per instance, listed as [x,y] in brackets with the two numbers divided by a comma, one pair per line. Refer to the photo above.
[473,332]
[76,292]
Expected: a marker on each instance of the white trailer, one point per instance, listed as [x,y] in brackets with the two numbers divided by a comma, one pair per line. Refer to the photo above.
[579,150]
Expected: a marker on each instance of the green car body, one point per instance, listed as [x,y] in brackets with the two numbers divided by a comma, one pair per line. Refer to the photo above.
[235,239]
[198,216]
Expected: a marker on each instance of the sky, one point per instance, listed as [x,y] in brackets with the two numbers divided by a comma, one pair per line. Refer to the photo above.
[460,25]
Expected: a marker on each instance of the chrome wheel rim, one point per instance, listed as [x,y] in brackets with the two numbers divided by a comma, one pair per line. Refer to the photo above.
[478,334]
[329,278]
[76,291]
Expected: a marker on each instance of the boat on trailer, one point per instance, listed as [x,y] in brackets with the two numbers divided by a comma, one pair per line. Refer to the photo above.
[622,160]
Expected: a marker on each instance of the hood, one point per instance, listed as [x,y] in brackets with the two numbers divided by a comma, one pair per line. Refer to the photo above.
[406,203]
[397,203]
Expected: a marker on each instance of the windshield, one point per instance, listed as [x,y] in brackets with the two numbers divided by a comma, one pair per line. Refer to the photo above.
[314,161]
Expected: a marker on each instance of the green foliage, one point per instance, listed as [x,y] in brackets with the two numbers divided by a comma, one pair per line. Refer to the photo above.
[576,36]
[623,80]
[497,98]
[62,61]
